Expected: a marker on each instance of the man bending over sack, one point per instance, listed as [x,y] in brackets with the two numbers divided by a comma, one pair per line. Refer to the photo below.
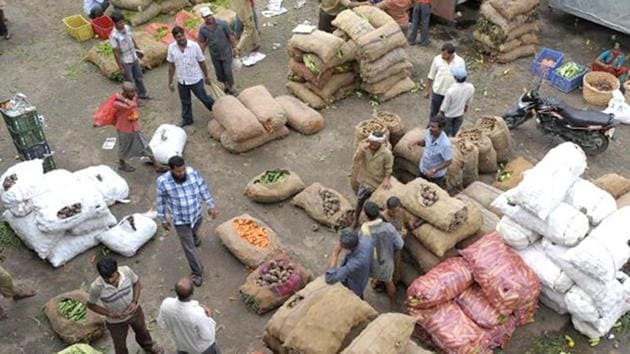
[354,270]
[329,9]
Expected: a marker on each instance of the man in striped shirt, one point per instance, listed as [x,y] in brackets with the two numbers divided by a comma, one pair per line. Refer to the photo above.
[180,192]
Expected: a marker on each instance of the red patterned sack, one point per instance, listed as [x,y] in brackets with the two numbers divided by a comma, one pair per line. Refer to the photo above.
[476,306]
[499,336]
[502,275]
[526,313]
[443,283]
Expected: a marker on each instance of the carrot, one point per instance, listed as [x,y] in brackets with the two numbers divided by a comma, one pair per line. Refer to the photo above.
[252,232]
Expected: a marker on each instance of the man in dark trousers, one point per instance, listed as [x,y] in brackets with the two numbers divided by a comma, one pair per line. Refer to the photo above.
[354,270]
[219,38]
[437,154]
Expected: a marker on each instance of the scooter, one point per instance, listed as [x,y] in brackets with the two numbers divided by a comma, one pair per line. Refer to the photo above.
[591,130]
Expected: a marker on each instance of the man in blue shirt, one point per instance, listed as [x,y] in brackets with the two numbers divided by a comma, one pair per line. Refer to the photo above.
[437,154]
[95,8]
[180,192]
[354,271]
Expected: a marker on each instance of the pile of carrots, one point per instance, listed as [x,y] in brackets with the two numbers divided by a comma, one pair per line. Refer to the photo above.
[252,232]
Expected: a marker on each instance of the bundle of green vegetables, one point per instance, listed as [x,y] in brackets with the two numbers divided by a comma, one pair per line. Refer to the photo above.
[73,310]
[272,176]
[570,70]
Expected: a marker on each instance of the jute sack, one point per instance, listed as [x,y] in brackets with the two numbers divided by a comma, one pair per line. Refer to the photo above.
[105,62]
[490,222]
[413,154]
[393,123]
[404,65]
[261,103]
[302,71]
[381,41]
[487,154]
[505,24]
[154,51]
[381,87]
[215,129]
[623,201]
[467,154]
[239,122]
[371,71]
[171,6]
[249,144]
[513,8]
[377,17]
[261,298]
[145,15]
[407,166]
[131,5]
[404,85]
[484,194]
[380,195]
[69,331]
[367,127]
[336,82]
[305,95]
[80,348]
[346,91]
[341,34]
[388,333]
[439,242]
[516,167]
[300,116]
[455,176]
[499,47]
[614,184]
[499,133]
[352,24]
[295,54]
[311,200]
[424,258]
[529,38]
[249,254]
[409,268]
[520,52]
[322,44]
[428,201]
[287,186]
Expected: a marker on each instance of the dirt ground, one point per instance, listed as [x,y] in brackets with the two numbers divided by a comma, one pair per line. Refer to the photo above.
[47,65]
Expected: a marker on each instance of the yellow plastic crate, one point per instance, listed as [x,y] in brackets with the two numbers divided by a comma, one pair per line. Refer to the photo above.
[79,28]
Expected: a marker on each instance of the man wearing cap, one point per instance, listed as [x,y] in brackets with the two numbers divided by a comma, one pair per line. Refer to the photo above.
[354,271]
[456,101]
[437,154]
[219,38]
[440,77]
[373,162]
[329,9]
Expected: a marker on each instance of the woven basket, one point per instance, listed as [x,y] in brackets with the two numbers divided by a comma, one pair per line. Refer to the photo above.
[626,86]
[594,96]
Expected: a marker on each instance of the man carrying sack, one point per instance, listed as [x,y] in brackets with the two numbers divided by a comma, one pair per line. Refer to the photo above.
[329,9]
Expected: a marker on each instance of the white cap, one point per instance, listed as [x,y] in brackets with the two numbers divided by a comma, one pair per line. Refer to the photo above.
[205,12]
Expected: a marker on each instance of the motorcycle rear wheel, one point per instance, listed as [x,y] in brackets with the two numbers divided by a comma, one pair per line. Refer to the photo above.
[593,143]
[514,121]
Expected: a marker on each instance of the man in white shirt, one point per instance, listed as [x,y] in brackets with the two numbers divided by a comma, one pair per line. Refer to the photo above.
[126,53]
[440,77]
[95,8]
[456,101]
[188,321]
[186,59]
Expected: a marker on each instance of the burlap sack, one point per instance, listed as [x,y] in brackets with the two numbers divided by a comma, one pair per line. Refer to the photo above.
[347,53]
[70,331]
[374,70]
[286,187]
[505,24]
[394,125]
[409,269]
[623,201]
[249,144]
[311,201]
[261,103]
[614,184]
[512,8]
[421,256]
[322,44]
[529,38]
[105,62]
[352,24]
[300,116]
[407,166]
[346,91]
[172,6]
[404,85]
[261,299]
[131,5]
[145,15]
[364,128]
[341,34]
[439,242]
[305,95]
[455,176]
[377,17]
[520,52]
[484,194]
[487,155]
[413,153]
[336,82]
[380,195]
[249,254]
[381,87]
[295,54]
[154,51]
[445,213]
[215,129]
[404,65]
[493,45]
[499,133]
[320,318]
[386,334]
[466,154]
[302,71]
[490,221]
[239,122]
[516,167]
[381,41]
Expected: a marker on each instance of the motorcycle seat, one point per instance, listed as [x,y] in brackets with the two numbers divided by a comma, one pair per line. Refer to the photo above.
[583,118]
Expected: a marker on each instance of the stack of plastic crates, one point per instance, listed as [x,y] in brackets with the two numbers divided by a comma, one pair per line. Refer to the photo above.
[26,127]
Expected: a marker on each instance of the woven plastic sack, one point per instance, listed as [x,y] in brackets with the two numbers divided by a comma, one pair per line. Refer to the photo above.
[129,235]
[168,141]
[104,114]
[70,246]
[112,186]
[476,306]
[554,300]
[590,200]
[26,229]
[580,304]
[20,184]
[515,235]
[440,285]
[550,275]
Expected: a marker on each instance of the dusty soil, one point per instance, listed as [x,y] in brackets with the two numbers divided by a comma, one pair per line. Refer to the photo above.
[47,65]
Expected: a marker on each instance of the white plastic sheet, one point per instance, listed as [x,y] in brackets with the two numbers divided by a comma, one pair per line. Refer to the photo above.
[167,141]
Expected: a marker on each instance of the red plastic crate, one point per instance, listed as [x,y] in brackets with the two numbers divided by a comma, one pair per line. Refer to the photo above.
[102,26]
[152,29]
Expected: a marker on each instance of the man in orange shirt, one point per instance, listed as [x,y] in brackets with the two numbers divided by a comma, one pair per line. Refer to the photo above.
[398,10]
[421,16]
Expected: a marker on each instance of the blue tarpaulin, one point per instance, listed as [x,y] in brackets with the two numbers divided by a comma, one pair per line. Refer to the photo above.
[613,14]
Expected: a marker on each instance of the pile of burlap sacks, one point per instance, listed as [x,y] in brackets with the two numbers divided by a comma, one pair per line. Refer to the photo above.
[570,232]
[507,29]
[366,51]
[255,118]
[142,11]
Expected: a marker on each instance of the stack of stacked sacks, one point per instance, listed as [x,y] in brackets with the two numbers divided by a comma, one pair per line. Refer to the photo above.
[584,239]
[61,214]
[142,11]
[508,29]
[384,67]
[618,186]
[321,68]
[473,303]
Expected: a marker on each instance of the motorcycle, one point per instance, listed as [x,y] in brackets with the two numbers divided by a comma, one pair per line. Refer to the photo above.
[591,130]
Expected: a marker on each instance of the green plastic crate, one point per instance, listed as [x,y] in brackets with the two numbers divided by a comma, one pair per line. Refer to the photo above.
[49,164]
[28,120]
[27,138]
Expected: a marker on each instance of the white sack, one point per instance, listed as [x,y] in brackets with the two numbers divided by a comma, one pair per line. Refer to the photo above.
[18,197]
[615,228]
[581,305]
[591,200]
[554,300]
[618,106]
[103,222]
[597,258]
[112,186]
[125,238]
[565,224]
[545,185]
[71,246]
[25,228]
[167,141]
[515,235]
[548,272]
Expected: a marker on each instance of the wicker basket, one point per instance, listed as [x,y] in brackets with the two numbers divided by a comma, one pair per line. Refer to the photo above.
[594,96]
